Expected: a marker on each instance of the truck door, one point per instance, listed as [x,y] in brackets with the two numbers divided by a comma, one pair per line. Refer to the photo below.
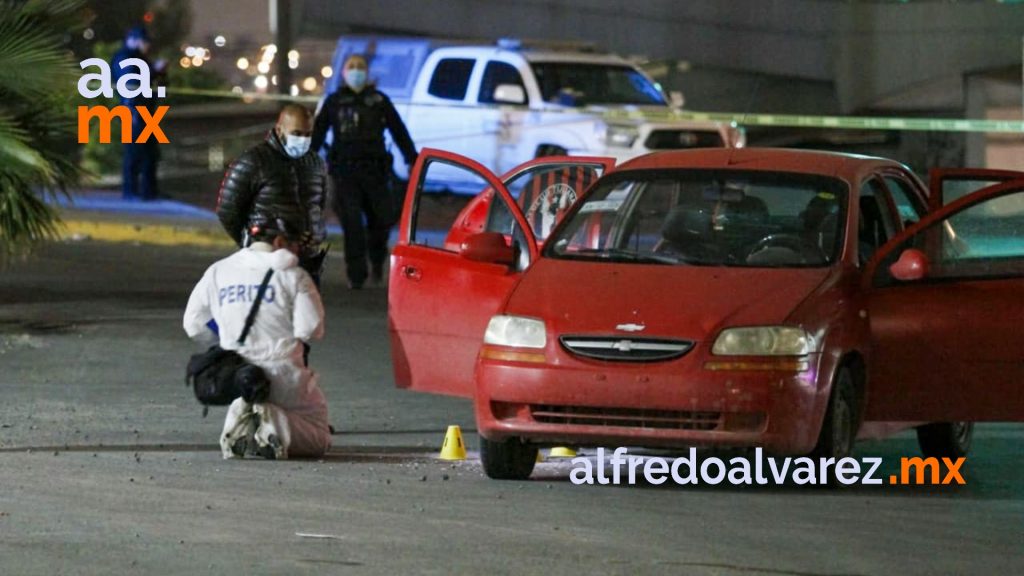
[502,106]
[440,113]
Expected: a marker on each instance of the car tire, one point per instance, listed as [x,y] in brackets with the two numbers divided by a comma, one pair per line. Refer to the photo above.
[945,439]
[511,459]
[839,430]
[550,150]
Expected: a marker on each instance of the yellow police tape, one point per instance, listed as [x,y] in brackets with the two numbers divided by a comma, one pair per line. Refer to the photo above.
[776,120]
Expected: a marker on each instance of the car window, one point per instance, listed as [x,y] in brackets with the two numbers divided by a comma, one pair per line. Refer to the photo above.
[443,219]
[707,218]
[595,84]
[954,189]
[908,203]
[495,74]
[875,221]
[451,78]
[984,241]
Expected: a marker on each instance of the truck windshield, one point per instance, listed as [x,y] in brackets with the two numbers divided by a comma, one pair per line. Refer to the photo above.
[595,84]
[707,218]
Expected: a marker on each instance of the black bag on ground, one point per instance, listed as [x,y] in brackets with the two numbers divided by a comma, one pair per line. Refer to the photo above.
[218,376]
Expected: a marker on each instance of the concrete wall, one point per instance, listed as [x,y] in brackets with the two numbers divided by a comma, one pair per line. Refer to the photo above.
[739,34]
[879,54]
[913,56]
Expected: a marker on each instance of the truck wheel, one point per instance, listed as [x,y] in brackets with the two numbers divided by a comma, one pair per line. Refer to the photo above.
[839,430]
[508,460]
[945,439]
[550,150]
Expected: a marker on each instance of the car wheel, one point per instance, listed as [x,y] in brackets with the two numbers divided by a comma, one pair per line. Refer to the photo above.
[550,150]
[945,439]
[839,430]
[507,460]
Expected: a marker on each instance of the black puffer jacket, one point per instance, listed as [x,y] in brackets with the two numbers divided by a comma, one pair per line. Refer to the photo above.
[265,184]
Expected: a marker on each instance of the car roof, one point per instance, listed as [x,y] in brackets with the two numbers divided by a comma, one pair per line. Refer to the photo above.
[536,54]
[849,167]
[574,57]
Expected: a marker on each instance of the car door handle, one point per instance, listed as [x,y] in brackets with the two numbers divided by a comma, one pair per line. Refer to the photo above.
[412,273]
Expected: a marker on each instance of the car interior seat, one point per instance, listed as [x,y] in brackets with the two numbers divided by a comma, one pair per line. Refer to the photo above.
[688,229]
[750,211]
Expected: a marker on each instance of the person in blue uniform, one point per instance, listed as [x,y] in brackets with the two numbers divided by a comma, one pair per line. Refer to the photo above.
[140,160]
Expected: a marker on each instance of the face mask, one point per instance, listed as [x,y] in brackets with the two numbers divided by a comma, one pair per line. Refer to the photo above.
[355,78]
[297,146]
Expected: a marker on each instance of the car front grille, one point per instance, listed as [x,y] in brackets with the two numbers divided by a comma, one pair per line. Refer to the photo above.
[617,348]
[683,139]
[626,417]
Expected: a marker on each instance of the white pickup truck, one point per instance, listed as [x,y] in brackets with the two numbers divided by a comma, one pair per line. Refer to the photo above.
[504,104]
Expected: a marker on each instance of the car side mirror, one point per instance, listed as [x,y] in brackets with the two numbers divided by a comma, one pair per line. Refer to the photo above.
[509,94]
[488,247]
[912,265]
[676,99]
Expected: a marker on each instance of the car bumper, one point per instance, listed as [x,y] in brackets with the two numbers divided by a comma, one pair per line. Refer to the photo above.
[656,405]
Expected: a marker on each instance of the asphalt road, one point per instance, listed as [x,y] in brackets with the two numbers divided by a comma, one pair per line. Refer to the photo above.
[107,467]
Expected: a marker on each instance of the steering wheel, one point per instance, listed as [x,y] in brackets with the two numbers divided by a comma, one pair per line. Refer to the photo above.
[808,251]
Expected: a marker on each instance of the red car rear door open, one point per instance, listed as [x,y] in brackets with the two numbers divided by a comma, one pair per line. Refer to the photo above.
[949,346]
[439,302]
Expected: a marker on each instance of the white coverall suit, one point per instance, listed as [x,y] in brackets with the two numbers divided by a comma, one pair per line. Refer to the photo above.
[291,312]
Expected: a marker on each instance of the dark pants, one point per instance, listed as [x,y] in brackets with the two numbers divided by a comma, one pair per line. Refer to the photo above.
[314,270]
[139,168]
[364,195]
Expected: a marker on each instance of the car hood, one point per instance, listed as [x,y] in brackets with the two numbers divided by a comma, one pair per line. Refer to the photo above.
[691,302]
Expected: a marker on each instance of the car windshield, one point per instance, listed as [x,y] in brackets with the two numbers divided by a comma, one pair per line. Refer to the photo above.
[578,84]
[707,218]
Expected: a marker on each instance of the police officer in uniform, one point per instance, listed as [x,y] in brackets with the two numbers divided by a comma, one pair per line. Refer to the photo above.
[360,166]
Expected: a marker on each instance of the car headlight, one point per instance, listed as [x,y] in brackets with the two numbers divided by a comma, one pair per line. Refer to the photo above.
[621,136]
[516,331]
[763,341]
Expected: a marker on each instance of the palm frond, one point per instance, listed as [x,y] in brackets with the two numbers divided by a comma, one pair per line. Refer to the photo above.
[30,63]
[37,87]
[17,153]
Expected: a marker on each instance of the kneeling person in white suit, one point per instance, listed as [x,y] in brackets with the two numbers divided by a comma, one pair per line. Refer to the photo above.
[292,422]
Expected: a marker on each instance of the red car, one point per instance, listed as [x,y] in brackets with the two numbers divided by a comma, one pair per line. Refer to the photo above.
[791,300]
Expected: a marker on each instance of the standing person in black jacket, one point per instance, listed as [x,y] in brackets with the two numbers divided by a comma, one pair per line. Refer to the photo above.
[360,166]
[279,179]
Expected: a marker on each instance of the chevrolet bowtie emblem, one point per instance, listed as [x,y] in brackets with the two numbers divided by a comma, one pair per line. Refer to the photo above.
[630,327]
[623,346]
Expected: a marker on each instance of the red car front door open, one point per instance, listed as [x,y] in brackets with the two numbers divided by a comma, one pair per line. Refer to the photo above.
[440,300]
[946,185]
[947,343]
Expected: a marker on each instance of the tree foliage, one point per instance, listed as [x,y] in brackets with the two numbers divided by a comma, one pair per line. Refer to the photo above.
[38,79]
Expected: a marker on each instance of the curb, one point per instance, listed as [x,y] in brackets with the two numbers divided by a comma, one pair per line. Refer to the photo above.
[147,233]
